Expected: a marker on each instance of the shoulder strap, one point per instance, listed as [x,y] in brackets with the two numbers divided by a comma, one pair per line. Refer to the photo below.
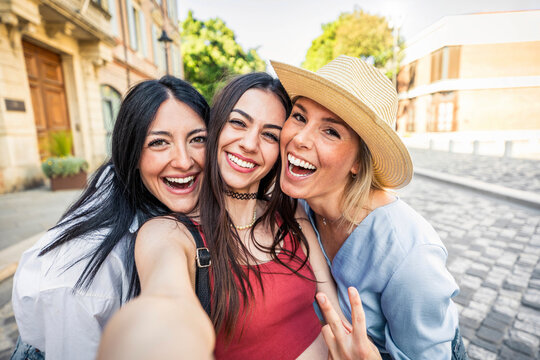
[203,262]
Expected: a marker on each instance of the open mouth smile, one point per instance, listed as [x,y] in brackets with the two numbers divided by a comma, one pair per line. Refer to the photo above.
[300,168]
[180,183]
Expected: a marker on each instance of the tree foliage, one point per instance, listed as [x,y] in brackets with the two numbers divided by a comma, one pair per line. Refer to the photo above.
[356,34]
[211,54]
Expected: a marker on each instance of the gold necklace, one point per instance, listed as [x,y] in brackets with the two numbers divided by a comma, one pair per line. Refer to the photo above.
[326,221]
[245,227]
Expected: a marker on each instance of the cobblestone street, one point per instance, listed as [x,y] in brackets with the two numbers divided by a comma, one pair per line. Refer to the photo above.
[519,174]
[493,247]
[494,250]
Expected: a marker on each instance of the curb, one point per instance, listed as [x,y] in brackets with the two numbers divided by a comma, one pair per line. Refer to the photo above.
[518,196]
[11,255]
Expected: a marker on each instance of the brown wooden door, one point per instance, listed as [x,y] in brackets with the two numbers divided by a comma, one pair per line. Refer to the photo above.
[46,82]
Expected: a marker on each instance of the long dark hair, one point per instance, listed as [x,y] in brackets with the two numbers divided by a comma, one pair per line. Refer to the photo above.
[116,196]
[227,251]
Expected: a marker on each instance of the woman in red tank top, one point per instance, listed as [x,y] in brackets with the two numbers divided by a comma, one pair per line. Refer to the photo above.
[262,285]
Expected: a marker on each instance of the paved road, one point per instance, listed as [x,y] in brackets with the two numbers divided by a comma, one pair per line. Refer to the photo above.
[518,174]
[26,213]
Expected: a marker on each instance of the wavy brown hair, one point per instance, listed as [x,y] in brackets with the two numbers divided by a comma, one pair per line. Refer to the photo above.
[228,253]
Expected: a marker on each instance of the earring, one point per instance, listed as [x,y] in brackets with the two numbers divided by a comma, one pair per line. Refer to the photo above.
[353,175]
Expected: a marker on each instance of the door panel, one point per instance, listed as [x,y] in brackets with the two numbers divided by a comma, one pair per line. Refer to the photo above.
[47,90]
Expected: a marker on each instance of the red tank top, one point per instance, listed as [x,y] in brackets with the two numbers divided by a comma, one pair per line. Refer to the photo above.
[280,324]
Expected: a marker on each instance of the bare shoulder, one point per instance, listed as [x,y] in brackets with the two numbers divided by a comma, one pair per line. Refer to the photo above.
[300,213]
[164,229]
[302,218]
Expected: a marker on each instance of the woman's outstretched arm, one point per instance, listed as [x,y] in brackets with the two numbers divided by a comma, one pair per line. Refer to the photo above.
[166,320]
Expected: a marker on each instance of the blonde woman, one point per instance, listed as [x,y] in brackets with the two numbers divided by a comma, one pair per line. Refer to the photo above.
[340,154]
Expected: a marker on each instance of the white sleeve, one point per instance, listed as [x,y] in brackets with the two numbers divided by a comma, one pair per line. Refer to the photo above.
[72,323]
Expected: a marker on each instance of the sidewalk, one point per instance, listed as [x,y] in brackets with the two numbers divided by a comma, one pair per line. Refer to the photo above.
[517,174]
[512,179]
[24,217]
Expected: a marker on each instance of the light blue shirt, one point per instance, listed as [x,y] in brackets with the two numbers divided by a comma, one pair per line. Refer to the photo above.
[397,261]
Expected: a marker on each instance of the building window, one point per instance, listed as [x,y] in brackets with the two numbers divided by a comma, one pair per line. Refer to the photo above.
[171,10]
[158,52]
[110,103]
[136,29]
[133,41]
[155,47]
[176,61]
[445,116]
[445,63]
[142,34]
[114,18]
[409,125]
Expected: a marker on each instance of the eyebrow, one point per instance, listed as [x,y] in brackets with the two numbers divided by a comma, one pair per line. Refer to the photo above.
[167,133]
[327,119]
[247,116]
[193,132]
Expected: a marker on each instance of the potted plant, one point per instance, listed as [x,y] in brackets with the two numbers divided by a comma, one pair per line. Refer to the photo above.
[64,170]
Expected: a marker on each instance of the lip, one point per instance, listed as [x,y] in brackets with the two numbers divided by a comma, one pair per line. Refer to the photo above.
[238,167]
[288,173]
[182,191]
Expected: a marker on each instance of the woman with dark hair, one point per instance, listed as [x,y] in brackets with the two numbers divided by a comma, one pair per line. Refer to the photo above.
[262,284]
[72,280]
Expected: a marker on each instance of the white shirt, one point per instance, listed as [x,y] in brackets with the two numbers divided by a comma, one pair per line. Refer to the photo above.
[51,316]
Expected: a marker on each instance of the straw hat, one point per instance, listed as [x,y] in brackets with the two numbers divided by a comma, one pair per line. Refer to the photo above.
[366,100]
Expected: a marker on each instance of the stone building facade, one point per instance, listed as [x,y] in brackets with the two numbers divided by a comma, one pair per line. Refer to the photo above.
[474,76]
[64,66]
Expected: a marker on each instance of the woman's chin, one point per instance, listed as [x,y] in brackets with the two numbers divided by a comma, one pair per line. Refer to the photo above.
[292,190]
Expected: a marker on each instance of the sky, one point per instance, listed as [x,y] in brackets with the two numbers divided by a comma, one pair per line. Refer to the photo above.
[284,29]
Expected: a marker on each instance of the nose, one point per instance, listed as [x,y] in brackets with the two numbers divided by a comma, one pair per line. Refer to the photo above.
[250,141]
[181,158]
[303,138]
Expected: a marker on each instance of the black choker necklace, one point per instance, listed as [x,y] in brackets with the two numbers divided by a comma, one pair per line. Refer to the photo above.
[240,196]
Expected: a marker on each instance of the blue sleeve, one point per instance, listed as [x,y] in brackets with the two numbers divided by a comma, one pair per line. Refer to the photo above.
[421,317]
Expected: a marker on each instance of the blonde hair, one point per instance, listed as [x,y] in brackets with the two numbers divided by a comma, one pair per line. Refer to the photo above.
[358,188]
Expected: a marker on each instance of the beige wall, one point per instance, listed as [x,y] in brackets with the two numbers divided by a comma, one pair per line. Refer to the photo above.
[500,60]
[499,109]
[19,163]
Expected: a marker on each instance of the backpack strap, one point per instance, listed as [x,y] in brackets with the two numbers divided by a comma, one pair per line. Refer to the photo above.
[203,262]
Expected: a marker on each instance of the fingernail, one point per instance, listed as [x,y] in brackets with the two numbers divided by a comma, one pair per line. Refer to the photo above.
[321,298]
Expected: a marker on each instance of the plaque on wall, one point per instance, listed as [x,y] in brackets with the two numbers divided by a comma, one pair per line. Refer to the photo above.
[15,105]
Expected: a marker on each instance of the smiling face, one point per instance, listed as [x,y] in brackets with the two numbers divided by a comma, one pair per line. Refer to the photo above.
[173,155]
[318,152]
[248,145]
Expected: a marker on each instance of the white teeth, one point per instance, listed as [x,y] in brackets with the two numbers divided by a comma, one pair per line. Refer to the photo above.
[180,180]
[297,162]
[240,162]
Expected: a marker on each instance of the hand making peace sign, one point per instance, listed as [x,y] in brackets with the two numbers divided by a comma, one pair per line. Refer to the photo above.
[343,341]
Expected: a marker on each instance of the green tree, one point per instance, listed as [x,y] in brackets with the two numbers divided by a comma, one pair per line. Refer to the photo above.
[211,54]
[356,34]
